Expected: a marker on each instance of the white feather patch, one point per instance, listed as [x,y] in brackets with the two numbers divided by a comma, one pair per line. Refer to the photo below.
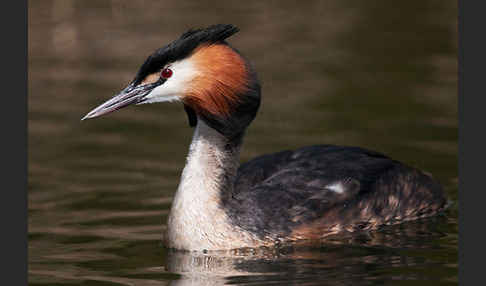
[336,187]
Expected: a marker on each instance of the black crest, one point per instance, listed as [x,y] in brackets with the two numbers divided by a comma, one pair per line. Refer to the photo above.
[182,47]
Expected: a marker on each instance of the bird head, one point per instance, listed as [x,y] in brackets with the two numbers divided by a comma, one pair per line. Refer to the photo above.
[214,81]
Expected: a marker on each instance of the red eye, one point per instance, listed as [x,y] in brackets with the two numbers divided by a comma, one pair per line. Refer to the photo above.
[166,73]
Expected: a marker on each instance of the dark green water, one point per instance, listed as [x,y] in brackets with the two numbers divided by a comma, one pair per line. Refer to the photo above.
[378,74]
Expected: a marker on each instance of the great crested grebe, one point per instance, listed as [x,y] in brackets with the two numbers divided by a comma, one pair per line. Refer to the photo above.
[307,193]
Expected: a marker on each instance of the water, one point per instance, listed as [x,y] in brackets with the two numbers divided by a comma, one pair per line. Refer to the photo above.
[381,75]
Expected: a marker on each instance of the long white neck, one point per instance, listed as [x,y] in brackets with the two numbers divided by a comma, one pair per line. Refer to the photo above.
[197,220]
[211,165]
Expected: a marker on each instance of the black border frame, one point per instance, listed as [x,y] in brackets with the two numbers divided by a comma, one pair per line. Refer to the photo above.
[471,143]
[14,141]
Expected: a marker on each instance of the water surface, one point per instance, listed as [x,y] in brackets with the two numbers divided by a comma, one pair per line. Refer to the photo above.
[380,74]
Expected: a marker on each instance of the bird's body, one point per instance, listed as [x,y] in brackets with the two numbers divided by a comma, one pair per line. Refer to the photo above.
[287,196]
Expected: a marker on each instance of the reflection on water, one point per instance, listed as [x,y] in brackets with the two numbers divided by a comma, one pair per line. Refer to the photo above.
[379,75]
[366,259]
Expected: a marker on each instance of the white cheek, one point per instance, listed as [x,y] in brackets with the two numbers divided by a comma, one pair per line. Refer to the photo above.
[183,73]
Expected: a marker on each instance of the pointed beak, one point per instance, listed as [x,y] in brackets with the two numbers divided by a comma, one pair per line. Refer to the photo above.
[130,95]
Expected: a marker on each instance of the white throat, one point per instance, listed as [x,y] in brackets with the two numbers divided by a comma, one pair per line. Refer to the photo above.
[197,220]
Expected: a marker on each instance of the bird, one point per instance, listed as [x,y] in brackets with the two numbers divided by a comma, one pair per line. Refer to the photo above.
[290,196]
